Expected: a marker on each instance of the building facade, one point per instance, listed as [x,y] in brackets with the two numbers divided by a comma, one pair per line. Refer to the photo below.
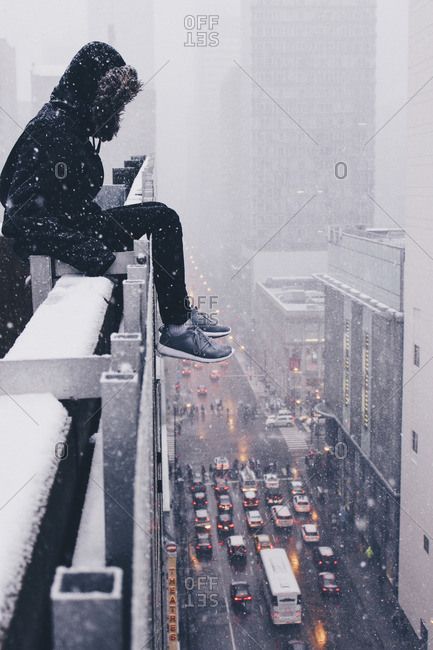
[363,383]
[289,328]
[416,524]
[8,98]
[310,100]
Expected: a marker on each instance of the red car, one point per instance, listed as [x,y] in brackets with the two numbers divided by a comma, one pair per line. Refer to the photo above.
[328,584]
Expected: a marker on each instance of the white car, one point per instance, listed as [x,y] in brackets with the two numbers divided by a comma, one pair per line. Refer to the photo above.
[221,463]
[202,519]
[301,503]
[296,487]
[271,481]
[310,533]
[254,519]
[282,516]
[280,420]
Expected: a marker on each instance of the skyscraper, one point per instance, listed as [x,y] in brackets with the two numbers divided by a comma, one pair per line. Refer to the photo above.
[311,68]
[416,515]
[8,98]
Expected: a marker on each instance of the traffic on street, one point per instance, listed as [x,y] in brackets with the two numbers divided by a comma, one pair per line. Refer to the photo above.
[262,562]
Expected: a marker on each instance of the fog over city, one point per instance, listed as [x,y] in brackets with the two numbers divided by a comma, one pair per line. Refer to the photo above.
[282,497]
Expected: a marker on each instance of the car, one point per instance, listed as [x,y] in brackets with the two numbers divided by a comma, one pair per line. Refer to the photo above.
[203,543]
[254,519]
[250,499]
[236,548]
[282,516]
[220,485]
[199,500]
[310,533]
[280,420]
[263,541]
[224,502]
[270,421]
[301,503]
[328,583]
[296,487]
[221,463]
[214,375]
[201,390]
[225,522]
[296,644]
[197,485]
[271,481]
[274,497]
[325,558]
[240,592]
[186,372]
[201,519]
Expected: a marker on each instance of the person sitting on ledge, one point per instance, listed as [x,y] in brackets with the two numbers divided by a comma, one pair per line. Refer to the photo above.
[53,174]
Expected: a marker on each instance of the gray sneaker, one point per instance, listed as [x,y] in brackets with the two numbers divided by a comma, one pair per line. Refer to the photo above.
[208,325]
[192,344]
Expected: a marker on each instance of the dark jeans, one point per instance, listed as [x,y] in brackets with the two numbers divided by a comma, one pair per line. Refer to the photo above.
[119,226]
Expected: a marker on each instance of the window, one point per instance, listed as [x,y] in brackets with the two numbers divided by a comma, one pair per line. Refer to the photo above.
[426,544]
[416,355]
[415,441]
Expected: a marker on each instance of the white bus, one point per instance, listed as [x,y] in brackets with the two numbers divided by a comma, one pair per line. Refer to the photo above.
[282,591]
[247,479]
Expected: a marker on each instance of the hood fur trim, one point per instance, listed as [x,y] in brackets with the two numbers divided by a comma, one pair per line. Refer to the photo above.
[116,88]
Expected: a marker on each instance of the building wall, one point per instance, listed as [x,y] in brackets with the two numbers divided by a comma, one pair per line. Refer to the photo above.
[316,62]
[363,384]
[369,265]
[416,565]
[284,336]
[8,99]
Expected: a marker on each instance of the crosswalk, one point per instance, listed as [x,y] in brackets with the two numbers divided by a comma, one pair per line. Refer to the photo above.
[295,439]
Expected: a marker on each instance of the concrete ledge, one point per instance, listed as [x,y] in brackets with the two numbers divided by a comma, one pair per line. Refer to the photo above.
[87,609]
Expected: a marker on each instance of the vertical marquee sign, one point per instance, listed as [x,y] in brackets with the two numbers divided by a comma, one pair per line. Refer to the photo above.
[366,381]
[347,362]
[172,597]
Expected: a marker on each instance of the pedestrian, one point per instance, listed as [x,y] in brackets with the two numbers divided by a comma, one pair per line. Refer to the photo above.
[211,407]
[53,174]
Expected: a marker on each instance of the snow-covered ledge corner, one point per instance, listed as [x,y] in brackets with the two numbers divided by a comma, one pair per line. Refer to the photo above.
[33,428]
[68,322]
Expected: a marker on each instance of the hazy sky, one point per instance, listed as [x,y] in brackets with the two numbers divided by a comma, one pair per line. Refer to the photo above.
[42,32]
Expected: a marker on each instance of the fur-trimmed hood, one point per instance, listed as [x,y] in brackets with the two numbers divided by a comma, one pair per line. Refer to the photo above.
[96,87]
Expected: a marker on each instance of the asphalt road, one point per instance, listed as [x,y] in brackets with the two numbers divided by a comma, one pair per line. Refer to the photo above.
[209,621]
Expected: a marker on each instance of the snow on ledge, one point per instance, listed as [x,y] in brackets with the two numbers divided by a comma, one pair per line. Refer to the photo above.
[68,322]
[58,592]
[30,428]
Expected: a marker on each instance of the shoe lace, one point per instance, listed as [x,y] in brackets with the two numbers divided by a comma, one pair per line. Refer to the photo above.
[202,318]
[201,342]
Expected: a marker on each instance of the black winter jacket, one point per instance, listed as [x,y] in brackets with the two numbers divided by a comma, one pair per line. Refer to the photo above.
[53,173]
